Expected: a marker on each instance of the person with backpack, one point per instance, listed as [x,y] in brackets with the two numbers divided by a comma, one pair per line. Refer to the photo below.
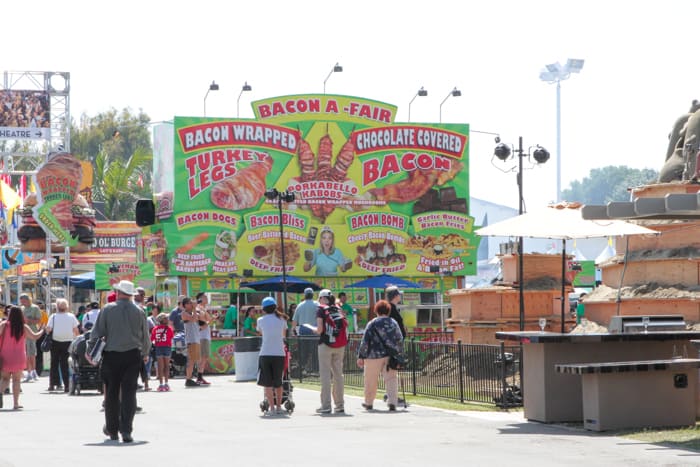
[332,326]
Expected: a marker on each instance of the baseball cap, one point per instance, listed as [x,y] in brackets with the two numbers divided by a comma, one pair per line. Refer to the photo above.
[308,291]
[392,291]
[268,301]
[94,305]
[324,293]
[111,297]
[24,295]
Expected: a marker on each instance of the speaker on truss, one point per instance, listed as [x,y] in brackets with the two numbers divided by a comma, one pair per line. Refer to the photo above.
[145,212]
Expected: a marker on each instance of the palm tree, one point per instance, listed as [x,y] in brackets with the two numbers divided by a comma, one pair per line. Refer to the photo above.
[120,184]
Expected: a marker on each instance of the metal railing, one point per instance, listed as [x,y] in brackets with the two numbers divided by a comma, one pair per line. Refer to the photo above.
[445,370]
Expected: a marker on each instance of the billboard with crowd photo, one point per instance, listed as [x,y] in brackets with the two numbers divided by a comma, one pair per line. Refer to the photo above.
[24,114]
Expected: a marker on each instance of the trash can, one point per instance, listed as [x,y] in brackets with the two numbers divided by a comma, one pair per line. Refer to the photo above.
[245,357]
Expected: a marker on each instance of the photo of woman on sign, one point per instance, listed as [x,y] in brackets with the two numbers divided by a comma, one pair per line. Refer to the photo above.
[327,259]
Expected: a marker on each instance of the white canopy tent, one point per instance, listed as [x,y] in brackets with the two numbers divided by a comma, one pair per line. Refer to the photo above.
[562,222]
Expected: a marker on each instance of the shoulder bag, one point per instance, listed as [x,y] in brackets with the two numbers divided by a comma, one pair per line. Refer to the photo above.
[48,337]
[397,360]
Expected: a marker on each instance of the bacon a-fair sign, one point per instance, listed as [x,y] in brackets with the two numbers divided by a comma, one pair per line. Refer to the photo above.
[372,196]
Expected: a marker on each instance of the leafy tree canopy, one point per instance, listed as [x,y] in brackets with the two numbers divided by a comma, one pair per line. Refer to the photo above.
[611,183]
[119,147]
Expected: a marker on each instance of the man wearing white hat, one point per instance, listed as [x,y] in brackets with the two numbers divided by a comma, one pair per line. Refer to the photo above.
[123,326]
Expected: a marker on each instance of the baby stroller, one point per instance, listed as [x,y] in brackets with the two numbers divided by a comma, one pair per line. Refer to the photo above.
[85,375]
[287,387]
[178,357]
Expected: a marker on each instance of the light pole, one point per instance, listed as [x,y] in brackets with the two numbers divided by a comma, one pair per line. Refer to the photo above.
[556,73]
[336,69]
[212,87]
[246,87]
[456,93]
[503,152]
[421,93]
[287,197]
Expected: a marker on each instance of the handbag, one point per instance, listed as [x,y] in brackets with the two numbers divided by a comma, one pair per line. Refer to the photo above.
[397,362]
[48,337]
[46,343]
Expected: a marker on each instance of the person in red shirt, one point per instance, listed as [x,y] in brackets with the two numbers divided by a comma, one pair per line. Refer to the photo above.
[162,338]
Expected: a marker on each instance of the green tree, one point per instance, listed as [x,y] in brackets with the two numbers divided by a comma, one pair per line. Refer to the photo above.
[119,148]
[605,184]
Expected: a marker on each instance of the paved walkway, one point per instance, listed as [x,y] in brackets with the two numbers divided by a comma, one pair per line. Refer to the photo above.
[222,425]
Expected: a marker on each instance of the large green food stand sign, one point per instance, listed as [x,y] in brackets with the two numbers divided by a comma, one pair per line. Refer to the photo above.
[372,196]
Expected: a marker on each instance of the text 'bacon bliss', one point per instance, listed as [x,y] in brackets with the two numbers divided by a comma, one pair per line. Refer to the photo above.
[212,134]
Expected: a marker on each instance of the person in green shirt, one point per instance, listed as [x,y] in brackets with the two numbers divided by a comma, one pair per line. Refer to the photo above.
[580,308]
[231,317]
[249,322]
[348,310]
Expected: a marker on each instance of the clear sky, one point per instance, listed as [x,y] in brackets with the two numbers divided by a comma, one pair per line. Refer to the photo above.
[641,67]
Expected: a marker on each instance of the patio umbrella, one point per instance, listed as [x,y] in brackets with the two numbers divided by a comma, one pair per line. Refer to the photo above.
[561,222]
[275,284]
[382,282]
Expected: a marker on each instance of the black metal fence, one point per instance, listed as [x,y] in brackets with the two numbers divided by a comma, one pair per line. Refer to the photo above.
[444,370]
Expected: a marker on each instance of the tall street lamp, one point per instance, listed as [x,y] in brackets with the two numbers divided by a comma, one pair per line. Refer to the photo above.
[246,87]
[212,87]
[421,93]
[281,197]
[336,69]
[456,93]
[504,153]
[556,73]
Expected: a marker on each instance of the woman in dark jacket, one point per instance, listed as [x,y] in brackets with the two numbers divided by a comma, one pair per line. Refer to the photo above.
[382,338]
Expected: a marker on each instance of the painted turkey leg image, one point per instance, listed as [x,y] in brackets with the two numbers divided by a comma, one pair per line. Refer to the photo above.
[244,189]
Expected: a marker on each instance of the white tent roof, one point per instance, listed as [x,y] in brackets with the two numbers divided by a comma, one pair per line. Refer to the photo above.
[561,222]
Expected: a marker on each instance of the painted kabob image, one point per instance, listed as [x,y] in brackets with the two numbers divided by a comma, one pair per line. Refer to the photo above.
[322,169]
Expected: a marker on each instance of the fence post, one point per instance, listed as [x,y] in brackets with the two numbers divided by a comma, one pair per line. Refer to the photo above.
[504,382]
[460,359]
[414,364]
[300,343]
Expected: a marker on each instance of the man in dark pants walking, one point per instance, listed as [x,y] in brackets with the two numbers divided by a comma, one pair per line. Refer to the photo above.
[124,328]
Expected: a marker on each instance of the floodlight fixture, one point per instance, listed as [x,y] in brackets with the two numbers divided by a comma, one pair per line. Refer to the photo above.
[455,92]
[336,69]
[422,92]
[246,87]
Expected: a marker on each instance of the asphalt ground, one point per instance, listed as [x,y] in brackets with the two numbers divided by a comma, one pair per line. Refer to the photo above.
[222,425]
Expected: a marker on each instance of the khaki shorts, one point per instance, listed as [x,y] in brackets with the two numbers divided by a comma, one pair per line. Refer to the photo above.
[30,347]
[205,348]
[193,352]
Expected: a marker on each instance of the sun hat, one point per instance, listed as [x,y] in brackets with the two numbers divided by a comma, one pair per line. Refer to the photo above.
[268,301]
[125,287]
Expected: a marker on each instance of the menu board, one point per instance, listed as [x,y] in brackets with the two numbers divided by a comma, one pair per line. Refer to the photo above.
[370,196]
